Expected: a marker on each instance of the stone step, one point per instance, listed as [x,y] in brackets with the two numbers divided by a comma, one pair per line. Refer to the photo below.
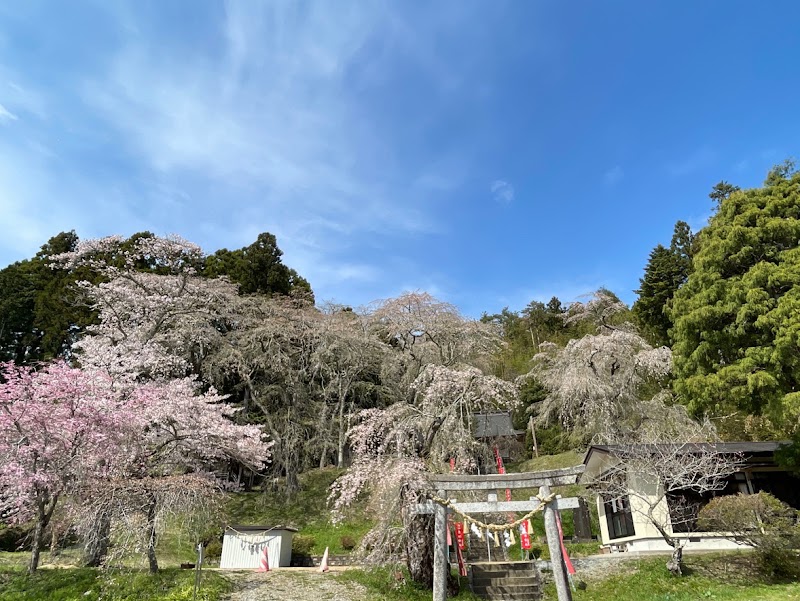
[504,566]
[503,580]
[512,582]
[502,594]
[530,570]
[499,581]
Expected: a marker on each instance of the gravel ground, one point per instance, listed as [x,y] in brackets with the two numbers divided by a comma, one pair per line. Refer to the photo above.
[286,584]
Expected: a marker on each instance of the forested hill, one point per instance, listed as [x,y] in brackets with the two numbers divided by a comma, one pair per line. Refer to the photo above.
[195,372]
[42,314]
[722,299]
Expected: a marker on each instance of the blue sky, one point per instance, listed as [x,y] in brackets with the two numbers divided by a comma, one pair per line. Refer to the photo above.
[491,153]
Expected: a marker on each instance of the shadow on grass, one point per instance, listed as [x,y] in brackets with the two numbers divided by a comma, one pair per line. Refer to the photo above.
[734,568]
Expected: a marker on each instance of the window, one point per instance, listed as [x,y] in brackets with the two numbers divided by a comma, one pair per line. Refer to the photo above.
[618,516]
[780,484]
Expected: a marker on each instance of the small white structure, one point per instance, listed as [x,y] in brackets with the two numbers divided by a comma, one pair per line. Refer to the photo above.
[242,546]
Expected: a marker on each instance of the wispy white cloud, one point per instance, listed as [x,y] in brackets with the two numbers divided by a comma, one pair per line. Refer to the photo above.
[502,191]
[273,121]
[6,115]
[613,175]
[259,117]
[18,96]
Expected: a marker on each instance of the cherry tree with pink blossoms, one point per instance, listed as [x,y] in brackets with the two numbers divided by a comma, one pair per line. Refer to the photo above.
[70,434]
[60,428]
[180,435]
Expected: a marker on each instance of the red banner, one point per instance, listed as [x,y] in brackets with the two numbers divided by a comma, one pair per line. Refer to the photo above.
[460,535]
[524,535]
[462,567]
[501,469]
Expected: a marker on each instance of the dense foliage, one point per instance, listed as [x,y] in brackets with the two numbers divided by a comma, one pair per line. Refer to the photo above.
[737,318]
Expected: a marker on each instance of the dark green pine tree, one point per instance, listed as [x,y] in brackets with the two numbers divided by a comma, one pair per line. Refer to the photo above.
[258,269]
[666,271]
[40,314]
[721,191]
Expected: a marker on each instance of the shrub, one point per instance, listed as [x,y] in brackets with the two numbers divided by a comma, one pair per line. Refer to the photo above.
[348,543]
[302,544]
[214,549]
[760,521]
[12,538]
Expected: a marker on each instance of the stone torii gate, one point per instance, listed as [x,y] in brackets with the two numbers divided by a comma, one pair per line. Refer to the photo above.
[446,483]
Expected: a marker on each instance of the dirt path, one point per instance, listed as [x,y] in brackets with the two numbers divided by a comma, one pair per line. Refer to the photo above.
[293,585]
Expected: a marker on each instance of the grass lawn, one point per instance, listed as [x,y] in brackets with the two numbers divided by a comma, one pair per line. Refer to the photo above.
[548,462]
[719,577]
[74,584]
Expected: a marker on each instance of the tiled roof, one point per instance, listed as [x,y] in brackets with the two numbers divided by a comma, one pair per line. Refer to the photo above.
[746,448]
[490,425]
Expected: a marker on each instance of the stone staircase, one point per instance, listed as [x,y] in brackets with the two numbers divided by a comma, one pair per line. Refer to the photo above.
[477,552]
[506,581]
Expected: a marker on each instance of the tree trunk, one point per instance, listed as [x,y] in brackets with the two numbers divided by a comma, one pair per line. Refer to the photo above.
[323,456]
[676,561]
[43,515]
[340,449]
[419,548]
[95,547]
[55,534]
[420,531]
[151,536]
[38,536]
[292,482]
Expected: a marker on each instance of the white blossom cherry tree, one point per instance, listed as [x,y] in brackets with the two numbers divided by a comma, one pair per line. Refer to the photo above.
[346,360]
[154,323]
[397,447]
[609,387]
[425,330]
[157,321]
[598,379]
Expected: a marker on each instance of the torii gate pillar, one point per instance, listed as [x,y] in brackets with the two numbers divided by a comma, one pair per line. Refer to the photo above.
[441,562]
[554,544]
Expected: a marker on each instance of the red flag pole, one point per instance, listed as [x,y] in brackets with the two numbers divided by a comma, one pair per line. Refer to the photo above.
[564,554]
